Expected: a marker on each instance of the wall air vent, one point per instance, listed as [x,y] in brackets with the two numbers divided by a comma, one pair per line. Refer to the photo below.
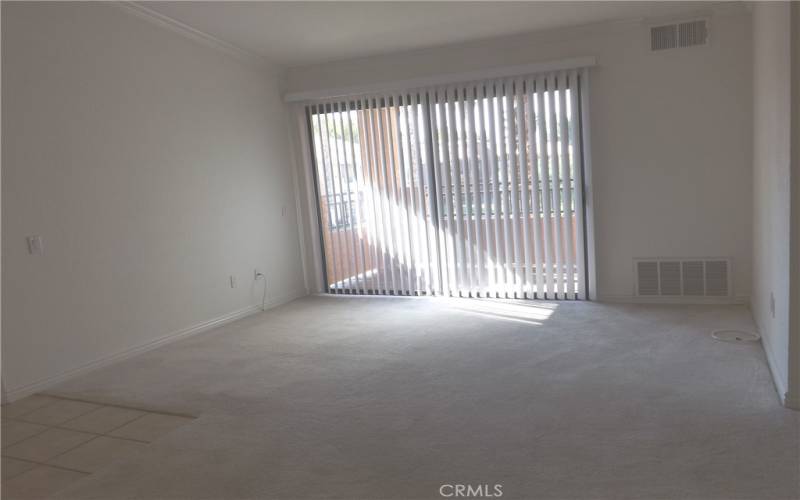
[673,36]
[692,33]
[683,277]
[647,277]
[664,37]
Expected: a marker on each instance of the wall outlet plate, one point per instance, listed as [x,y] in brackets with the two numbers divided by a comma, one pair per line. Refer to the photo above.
[233,281]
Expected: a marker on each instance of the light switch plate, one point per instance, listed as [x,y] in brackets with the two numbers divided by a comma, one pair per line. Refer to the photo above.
[772,304]
[35,245]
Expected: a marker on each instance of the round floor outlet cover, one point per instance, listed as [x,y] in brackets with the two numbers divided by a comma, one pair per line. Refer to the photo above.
[735,336]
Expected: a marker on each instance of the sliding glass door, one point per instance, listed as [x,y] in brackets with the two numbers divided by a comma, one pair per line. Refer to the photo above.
[464,190]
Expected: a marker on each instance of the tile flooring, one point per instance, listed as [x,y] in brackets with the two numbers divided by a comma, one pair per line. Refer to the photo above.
[49,442]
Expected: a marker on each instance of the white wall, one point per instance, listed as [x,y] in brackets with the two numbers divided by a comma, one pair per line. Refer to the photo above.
[771,186]
[793,392]
[793,396]
[152,166]
[671,134]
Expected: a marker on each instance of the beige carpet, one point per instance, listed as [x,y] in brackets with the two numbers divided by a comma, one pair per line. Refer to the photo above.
[331,397]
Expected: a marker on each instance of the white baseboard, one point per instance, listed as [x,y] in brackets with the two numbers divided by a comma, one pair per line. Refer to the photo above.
[791,402]
[46,383]
[636,299]
[777,376]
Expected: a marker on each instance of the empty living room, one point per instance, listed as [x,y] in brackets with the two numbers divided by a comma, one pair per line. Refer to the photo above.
[400,250]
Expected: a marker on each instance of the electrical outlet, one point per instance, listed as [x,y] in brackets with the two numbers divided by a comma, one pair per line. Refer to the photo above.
[257,274]
[772,304]
[233,281]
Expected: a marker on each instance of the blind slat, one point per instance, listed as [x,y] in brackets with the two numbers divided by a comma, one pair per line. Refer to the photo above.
[437,203]
[475,195]
[425,174]
[380,231]
[489,284]
[344,201]
[545,186]
[357,235]
[577,166]
[401,202]
[555,177]
[333,207]
[502,148]
[386,192]
[457,213]
[499,271]
[566,177]
[411,195]
[464,190]
[534,190]
[510,191]
[524,214]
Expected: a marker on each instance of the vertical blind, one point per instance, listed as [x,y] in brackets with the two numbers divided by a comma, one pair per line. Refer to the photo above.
[472,189]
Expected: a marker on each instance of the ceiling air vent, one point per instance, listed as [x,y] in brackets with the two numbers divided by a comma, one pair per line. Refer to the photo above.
[673,36]
[683,277]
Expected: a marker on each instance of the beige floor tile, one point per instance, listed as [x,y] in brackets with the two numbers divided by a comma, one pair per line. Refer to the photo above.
[39,482]
[13,467]
[59,412]
[103,420]
[15,431]
[46,445]
[97,453]
[26,405]
[150,427]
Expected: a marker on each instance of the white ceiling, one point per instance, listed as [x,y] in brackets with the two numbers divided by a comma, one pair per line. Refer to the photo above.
[303,33]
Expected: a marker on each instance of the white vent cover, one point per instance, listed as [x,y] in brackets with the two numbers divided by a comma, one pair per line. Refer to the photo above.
[692,33]
[673,36]
[683,277]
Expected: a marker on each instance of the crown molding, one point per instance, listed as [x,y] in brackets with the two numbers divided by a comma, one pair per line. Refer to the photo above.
[164,21]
